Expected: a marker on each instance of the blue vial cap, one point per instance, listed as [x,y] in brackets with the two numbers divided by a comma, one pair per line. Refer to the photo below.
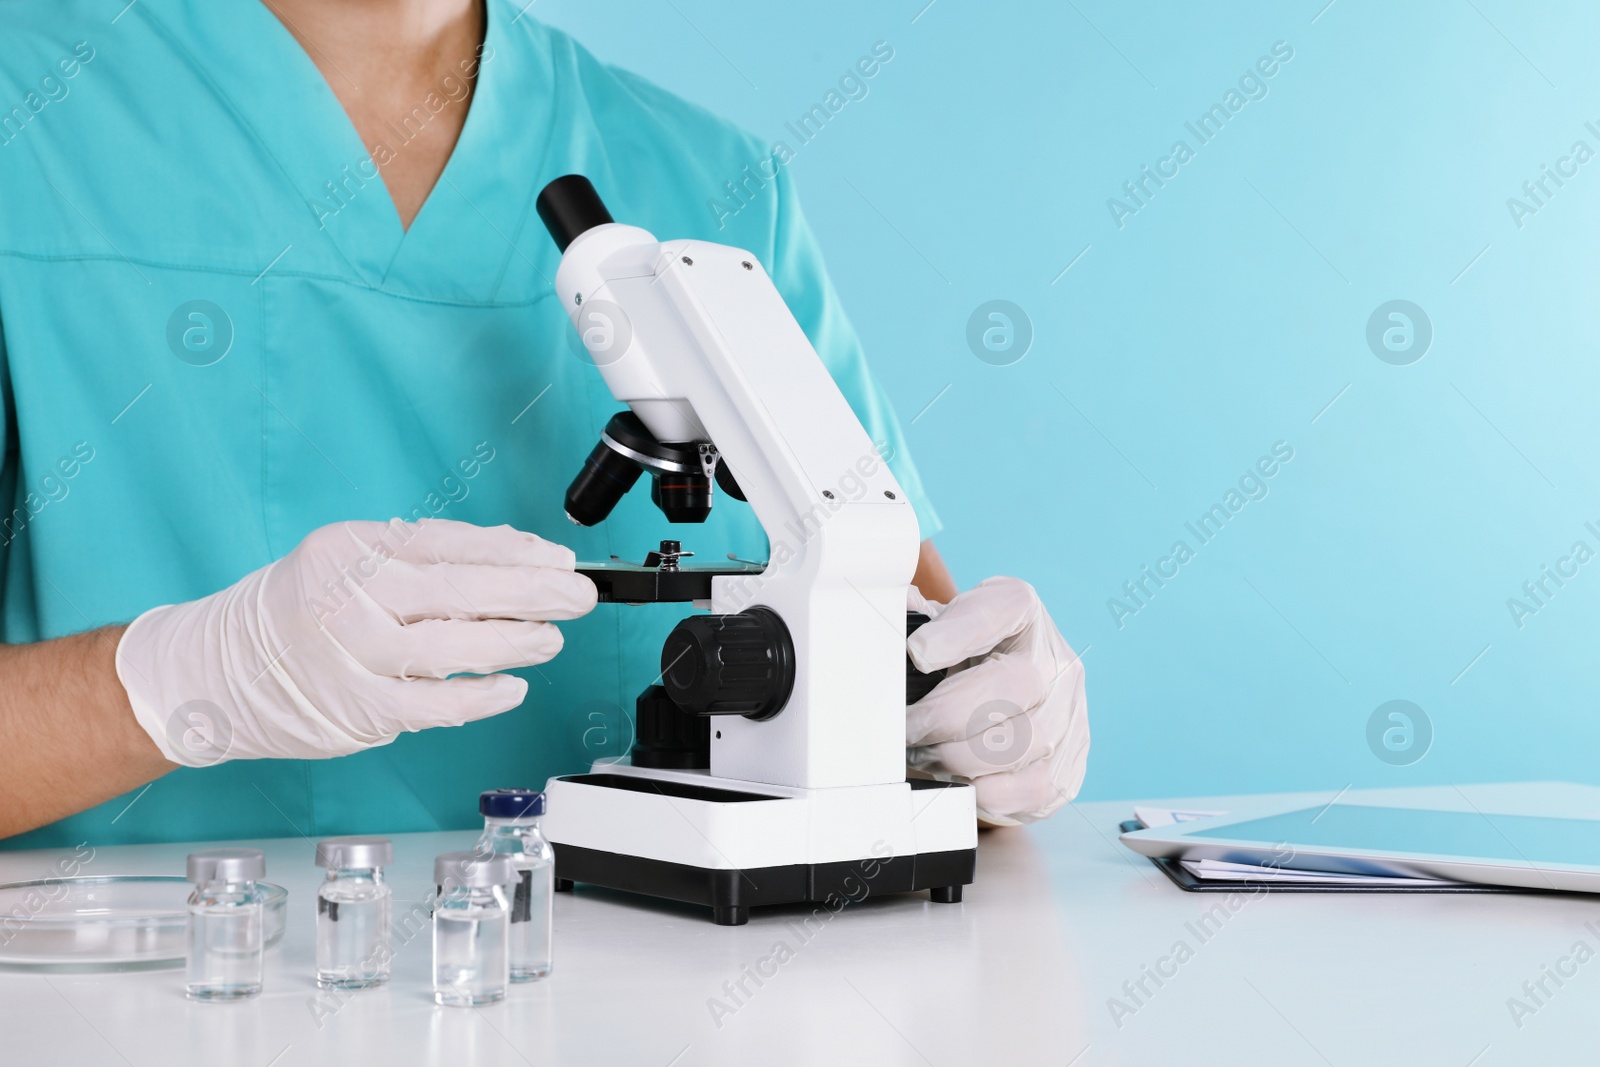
[511,803]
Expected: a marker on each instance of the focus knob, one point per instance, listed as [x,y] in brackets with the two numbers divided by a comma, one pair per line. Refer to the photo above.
[668,736]
[730,664]
[919,685]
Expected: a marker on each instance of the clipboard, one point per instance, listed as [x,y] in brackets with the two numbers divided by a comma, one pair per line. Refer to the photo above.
[1187,881]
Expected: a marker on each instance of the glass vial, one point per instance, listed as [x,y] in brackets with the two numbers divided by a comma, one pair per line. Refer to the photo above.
[353,949]
[471,956]
[511,827]
[226,923]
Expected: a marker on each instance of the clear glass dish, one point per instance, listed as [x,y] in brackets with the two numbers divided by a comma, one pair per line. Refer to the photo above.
[106,923]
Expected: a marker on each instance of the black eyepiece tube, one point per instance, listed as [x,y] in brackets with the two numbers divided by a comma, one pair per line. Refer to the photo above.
[569,207]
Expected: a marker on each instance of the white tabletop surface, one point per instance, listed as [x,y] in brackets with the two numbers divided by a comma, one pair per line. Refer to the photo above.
[1022,972]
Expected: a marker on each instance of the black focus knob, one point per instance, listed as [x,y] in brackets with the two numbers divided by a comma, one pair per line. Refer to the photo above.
[918,684]
[667,735]
[730,664]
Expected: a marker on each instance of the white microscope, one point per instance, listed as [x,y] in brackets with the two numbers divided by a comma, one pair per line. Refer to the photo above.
[770,765]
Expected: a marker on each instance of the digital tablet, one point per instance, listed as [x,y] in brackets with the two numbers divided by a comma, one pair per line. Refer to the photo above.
[1534,852]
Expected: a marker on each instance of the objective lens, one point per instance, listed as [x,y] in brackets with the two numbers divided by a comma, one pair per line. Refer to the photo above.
[682,497]
[605,478]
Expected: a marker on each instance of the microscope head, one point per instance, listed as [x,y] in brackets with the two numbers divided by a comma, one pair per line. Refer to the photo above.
[681,473]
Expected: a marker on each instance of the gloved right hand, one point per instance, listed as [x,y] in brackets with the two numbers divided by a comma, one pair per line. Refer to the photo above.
[362,632]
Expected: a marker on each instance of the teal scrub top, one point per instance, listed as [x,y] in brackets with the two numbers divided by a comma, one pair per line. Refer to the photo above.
[217,337]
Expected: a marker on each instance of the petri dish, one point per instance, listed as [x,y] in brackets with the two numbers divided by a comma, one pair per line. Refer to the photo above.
[106,923]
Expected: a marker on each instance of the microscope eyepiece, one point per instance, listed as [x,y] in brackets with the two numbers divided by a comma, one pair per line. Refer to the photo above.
[570,207]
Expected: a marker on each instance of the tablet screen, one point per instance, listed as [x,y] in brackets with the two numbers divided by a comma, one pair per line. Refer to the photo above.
[1509,838]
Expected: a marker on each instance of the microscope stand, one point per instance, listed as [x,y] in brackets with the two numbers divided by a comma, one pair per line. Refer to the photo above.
[732,845]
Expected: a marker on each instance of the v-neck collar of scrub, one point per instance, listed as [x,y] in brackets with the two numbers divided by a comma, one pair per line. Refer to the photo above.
[459,243]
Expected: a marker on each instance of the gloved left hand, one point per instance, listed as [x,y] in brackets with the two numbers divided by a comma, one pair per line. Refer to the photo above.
[1011,716]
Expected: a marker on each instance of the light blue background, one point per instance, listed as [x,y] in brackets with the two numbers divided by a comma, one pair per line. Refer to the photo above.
[1220,319]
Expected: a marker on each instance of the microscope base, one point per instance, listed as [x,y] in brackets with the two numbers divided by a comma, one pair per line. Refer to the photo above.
[731,893]
[685,836]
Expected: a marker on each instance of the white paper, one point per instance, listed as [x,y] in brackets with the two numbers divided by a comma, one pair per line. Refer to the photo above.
[1168,816]
[1224,871]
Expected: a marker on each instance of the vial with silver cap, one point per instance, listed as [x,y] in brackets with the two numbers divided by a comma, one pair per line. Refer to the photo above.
[226,923]
[353,949]
[511,820]
[471,954]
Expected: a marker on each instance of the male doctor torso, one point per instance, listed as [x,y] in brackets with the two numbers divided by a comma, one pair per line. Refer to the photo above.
[271,272]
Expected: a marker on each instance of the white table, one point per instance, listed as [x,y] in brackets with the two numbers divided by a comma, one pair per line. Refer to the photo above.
[1021,973]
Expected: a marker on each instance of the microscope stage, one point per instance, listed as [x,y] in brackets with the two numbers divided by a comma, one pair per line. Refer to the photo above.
[630,583]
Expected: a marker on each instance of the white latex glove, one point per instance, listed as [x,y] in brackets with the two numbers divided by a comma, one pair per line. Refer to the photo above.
[1011,716]
[350,640]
